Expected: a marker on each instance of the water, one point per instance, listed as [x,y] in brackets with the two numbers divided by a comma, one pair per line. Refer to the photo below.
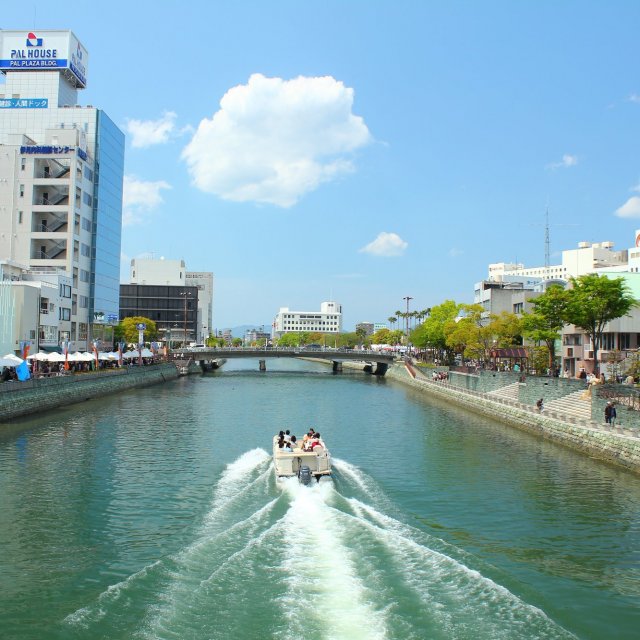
[155,514]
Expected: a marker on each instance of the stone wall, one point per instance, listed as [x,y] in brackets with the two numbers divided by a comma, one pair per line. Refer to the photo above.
[617,447]
[35,396]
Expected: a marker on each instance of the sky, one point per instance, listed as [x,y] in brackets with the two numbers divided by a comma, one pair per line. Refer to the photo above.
[362,151]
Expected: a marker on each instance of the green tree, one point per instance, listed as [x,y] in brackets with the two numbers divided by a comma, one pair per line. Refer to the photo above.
[593,301]
[545,323]
[392,320]
[236,342]
[505,329]
[469,335]
[126,330]
[431,333]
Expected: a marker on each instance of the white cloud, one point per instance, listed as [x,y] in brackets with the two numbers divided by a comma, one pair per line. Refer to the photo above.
[140,197]
[634,97]
[273,140]
[146,133]
[630,209]
[566,162]
[386,245]
[454,253]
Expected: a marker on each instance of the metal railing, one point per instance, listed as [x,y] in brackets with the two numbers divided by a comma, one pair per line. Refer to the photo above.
[554,414]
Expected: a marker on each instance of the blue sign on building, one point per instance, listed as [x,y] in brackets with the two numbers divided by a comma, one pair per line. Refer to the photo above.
[24,103]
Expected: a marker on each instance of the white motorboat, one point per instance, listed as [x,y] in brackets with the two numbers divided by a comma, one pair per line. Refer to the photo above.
[301,464]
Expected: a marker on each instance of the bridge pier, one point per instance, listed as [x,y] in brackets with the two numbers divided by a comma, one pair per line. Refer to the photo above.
[263,365]
[337,366]
[381,369]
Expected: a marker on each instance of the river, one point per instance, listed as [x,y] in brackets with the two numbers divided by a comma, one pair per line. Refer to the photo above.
[154,514]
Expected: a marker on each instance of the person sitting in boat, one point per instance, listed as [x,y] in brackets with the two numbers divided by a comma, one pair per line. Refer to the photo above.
[314,442]
[294,442]
[287,436]
[286,446]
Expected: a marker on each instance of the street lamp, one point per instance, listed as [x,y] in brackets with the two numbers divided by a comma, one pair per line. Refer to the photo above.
[407,298]
[186,294]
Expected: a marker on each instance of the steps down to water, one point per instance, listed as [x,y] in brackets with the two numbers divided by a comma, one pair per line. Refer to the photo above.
[510,391]
[574,404]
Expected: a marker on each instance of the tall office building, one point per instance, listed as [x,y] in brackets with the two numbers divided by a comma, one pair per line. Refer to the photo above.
[61,176]
[165,282]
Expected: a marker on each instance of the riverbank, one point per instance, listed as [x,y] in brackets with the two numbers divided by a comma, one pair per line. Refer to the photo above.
[36,396]
[618,448]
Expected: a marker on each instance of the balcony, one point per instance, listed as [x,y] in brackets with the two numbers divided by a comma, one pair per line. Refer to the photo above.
[43,249]
[49,222]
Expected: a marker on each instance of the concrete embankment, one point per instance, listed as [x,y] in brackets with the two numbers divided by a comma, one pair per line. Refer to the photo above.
[36,396]
[620,449]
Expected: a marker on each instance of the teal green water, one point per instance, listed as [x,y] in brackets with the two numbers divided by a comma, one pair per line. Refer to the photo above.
[155,514]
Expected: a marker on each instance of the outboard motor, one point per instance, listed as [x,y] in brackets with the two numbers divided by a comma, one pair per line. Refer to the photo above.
[304,474]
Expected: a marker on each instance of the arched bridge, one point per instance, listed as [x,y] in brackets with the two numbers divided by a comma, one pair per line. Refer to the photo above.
[378,363]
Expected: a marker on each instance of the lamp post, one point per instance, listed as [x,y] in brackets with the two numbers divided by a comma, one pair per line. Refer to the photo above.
[186,296]
[407,298]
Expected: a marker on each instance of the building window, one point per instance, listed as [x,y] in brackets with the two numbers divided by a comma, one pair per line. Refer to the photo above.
[64,313]
[22,191]
[84,302]
[608,341]
[624,341]
[84,275]
[19,217]
[85,250]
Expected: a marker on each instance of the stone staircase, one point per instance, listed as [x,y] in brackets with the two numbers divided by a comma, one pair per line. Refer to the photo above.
[510,391]
[572,405]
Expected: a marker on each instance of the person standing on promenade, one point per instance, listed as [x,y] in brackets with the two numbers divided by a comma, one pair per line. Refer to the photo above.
[610,414]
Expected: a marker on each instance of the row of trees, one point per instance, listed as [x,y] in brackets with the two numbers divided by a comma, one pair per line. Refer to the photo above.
[589,303]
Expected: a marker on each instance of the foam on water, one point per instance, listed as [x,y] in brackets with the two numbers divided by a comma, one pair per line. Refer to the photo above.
[325,590]
[321,563]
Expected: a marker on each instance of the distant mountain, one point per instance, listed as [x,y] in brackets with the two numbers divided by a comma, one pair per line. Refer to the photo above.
[238,332]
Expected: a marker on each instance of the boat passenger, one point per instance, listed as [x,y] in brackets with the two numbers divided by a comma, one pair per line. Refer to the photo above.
[287,436]
[294,442]
[287,447]
[315,442]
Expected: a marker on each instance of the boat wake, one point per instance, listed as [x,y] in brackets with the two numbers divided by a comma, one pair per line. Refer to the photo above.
[327,560]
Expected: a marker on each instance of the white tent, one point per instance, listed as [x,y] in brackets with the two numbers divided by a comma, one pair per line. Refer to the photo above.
[127,355]
[40,356]
[55,357]
[76,357]
[10,360]
[147,353]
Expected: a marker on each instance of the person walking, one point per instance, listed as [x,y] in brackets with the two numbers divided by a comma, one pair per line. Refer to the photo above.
[540,405]
[610,414]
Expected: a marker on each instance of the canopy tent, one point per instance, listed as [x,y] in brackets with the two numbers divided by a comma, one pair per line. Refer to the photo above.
[147,353]
[41,356]
[10,360]
[55,357]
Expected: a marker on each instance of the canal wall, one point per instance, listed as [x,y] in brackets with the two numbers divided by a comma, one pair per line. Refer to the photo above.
[37,395]
[617,446]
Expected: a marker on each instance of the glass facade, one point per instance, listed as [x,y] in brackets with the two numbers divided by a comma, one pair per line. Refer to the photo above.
[107,218]
[172,308]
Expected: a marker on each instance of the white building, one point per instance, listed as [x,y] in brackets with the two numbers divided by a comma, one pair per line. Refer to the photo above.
[173,273]
[587,258]
[61,173]
[327,320]
[621,336]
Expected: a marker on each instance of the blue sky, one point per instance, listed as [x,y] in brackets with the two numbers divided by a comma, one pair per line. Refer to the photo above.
[362,151]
